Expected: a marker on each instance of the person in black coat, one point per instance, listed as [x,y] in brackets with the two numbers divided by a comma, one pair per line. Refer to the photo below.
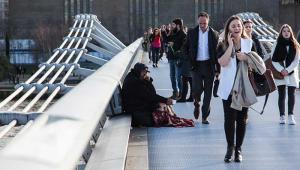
[139,97]
[200,46]
[249,31]
[175,43]
[186,77]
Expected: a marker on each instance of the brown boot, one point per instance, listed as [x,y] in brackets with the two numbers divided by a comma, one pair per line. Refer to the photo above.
[196,110]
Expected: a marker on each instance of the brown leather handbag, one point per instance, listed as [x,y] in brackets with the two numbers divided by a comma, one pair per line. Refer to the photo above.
[276,74]
[262,84]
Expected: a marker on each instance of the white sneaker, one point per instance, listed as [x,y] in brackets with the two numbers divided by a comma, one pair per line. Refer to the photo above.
[282,119]
[292,120]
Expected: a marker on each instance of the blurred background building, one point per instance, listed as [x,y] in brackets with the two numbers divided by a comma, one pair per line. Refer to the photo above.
[37,20]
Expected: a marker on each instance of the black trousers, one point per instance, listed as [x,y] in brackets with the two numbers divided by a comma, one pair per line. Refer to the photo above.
[155,55]
[142,118]
[203,79]
[235,123]
[281,99]
[185,81]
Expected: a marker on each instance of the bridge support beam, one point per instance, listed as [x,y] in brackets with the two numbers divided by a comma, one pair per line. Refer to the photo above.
[94,59]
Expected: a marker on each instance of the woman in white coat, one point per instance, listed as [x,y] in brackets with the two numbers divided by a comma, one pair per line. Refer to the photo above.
[285,59]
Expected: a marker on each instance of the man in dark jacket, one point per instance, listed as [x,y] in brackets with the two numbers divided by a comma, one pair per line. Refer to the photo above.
[139,97]
[201,46]
[175,43]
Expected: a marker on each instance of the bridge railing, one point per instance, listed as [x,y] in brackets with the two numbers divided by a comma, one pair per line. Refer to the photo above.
[60,136]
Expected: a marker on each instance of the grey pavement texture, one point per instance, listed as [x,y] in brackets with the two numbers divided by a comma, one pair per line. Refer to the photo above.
[267,145]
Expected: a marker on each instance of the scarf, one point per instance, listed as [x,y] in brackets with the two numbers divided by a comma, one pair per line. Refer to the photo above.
[281,54]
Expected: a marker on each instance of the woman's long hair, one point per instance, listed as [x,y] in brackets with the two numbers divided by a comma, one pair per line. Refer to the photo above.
[226,28]
[292,37]
[280,52]
[159,32]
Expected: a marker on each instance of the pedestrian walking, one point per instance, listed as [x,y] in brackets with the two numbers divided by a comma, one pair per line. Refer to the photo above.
[175,43]
[201,48]
[285,59]
[248,24]
[235,89]
[156,43]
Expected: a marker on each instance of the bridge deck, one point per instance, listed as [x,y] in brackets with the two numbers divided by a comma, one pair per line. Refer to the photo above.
[267,144]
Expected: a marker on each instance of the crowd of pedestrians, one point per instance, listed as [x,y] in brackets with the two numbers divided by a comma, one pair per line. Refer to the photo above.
[199,56]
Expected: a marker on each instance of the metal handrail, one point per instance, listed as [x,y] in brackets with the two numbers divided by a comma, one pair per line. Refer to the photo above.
[57,139]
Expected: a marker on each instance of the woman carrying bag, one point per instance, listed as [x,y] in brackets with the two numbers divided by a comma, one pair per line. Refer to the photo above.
[235,55]
[285,59]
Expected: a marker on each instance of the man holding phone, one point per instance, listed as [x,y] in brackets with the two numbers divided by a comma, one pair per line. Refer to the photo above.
[200,46]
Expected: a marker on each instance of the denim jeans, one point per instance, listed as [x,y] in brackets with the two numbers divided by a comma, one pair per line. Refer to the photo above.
[175,75]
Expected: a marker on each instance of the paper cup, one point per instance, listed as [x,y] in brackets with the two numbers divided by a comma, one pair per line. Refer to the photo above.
[173,102]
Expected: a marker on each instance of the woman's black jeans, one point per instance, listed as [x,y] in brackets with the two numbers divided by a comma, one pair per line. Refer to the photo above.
[281,99]
[235,123]
[155,55]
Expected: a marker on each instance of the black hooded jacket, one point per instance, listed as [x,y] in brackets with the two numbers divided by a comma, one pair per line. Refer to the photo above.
[139,95]
[178,38]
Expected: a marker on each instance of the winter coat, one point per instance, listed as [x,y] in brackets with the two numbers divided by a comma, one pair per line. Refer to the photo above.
[139,95]
[292,79]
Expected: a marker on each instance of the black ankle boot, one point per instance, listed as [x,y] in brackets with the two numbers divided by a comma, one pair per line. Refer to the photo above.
[238,155]
[228,157]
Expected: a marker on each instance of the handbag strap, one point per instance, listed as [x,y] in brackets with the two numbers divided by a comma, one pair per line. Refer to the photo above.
[266,100]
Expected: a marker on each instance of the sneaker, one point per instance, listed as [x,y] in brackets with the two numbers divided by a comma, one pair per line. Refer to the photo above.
[292,120]
[282,120]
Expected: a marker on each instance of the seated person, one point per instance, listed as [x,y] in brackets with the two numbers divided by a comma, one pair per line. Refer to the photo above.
[139,97]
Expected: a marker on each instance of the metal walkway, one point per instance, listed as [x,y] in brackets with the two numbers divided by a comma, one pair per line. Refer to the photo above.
[267,145]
